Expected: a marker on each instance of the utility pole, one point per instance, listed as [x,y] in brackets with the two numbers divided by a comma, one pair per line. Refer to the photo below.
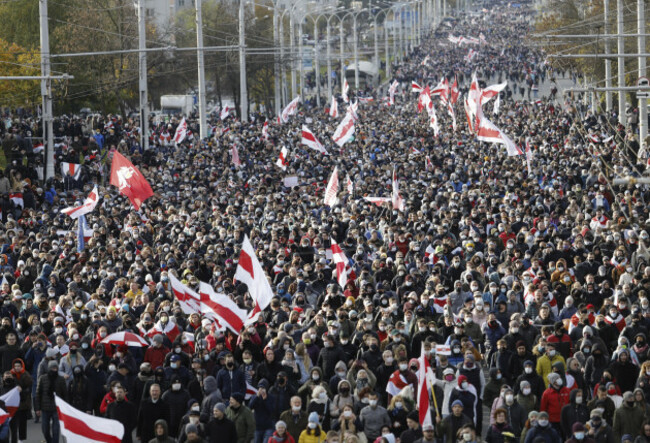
[276,64]
[292,51]
[608,62]
[46,91]
[643,102]
[316,63]
[203,121]
[301,62]
[329,63]
[386,49]
[621,61]
[243,88]
[142,69]
[356,52]
[342,38]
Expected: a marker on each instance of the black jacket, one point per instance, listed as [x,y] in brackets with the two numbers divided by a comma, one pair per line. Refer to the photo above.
[148,415]
[573,413]
[221,430]
[126,413]
[44,400]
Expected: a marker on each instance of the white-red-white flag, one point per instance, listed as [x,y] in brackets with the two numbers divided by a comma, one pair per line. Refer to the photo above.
[225,113]
[235,155]
[488,132]
[344,271]
[344,91]
[377,200]
[11,400]
[350,185]
[79,427]
[391,92]
[220,308]
[250,271]
[181,132]
[344,131]
[189,301]
[17,198]
[283,159]
[265,130]
[492,91]
[332,190]
[398,201]
[424,387]
[334,108]
[470,55]
[87,206]
[170,329]
[290,110]
[497,104]
[415,87]
[310,140]
[71,169]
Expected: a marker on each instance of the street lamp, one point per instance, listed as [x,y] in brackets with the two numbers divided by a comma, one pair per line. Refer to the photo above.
[316,52]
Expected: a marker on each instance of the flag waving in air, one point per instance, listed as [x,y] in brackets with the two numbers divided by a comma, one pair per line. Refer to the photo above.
[79,427]
[398,201]
[488,132]
[310,140]
[345,130]
[11,400]
[290,110]
[332,189]
[220,308]
[344,271]
[129,180]
[283,159]
[88,205]
[250,271]
[344,91]
[181,132]
[334,108]
[71,169]
[189,301]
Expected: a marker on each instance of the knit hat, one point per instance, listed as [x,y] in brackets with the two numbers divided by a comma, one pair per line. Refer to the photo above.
[313,417]
[542,414]
[52,364]
[191,429]
[596,412]
[414,415]
[627,437]
[457,403]
[238,396]
[280,424]
[221,407]
[578,427]
[552,377]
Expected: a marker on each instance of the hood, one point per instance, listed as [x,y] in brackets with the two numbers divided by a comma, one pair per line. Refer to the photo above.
[164,425]
[598,346]
[573,394]
[210,384]
[317,369]
[493,373]
[341,383]
[18,360]
[341,365]
[586,344]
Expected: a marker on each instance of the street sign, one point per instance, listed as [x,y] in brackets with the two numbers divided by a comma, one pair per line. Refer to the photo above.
[643,94]
[642,81]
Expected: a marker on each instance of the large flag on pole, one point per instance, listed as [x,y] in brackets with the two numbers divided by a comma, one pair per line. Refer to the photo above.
[88,205]
[290,109]
[334,108]
[189,301]
[345,130]
[220,308]
[181,132]
[71,169]
[332,189]
[398,201]
[488,132]
[424,387]
[310,140]
[344,91]
[344,271]
[250,271]
[129,181]
[79,427]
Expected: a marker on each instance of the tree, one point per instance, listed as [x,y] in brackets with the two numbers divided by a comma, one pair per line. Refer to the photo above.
[18,61]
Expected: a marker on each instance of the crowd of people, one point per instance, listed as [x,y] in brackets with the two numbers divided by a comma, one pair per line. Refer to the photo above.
[526,286]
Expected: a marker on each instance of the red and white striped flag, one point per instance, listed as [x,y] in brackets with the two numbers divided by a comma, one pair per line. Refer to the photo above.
[310,140]
[488,132]
[220,308]
[17,198]
[377,200]
[344,91]
[396,383]
[250,391]
[235,155]
[290,110]
[332,189]
[391,92]
[344,271]
[470,55]
[350,185]
[492,91]
[428,166]
[225,113]
[71,169]
[189,301]
[425,375]
[265,130]
[38,148]
[181,132]
[415,87]
[11,400]
[283,159]
[344,131]
[88,205]
[170,330]
[398,201]
[79,427]
[334,108]
[250,271]
[454,93]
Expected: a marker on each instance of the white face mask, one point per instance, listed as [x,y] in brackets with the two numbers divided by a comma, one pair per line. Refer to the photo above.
[176,386]
[526,391]
[463,385]
[373,402]
[578,400]
[311,425]
[403,366]
[398,404]
[509,398]
[559,382]
[528,370]
[347,413]
[542,422]
[467,436]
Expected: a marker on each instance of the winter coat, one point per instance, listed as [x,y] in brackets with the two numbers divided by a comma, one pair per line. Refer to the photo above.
[125,412]
[517,417]
[244,423]
[553,400]
[549,434]
[545,365]
[263,412]
[450,425]
[573,413]
[78,393]
[275,438]
[212,397]
[221,430]
[44,400]
[26,382]
[312,436]
[148,415]
[165,438]
[230,382]
[373,419]
[177,401]
[627,420]
[295,424]
[495,433]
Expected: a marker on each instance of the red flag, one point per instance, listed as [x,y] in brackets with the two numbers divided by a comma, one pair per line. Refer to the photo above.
[129,180]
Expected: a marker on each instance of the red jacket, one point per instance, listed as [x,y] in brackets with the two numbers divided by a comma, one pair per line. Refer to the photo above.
[156,356]
[288,439]
[553,401]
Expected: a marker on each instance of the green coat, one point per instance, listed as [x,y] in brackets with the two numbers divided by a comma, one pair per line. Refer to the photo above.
[244,423]
[627,420]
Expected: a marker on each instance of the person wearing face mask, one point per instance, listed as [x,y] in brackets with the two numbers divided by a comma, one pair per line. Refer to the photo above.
[19,377]
[493,387]
[628,418]
[177,349]
[467,394]
[542,429]
[599,430]
[503,361]
[313,433]
[447,383]
[526,398]
[69,361]
[555,397]
[49,384]
[176,397]
[546,361]
[624,371]
[321,404]
[230,379]
[220,428]
[373,417]
[176,370]
[500,425]
[575,411]
[578,434]
[401,378]
[242,418]
[191,429]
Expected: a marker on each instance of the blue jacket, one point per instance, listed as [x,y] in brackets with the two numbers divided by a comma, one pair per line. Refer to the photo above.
[263,411]
[229,382]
